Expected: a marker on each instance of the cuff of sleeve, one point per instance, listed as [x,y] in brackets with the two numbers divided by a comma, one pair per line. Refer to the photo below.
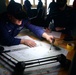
[16,41]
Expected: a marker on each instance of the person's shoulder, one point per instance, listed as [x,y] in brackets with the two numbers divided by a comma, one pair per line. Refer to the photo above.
[68,7]
[52,4]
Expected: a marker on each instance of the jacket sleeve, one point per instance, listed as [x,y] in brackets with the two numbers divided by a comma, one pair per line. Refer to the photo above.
[38,31]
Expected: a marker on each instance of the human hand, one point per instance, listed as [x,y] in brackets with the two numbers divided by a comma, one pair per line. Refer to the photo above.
[29,42]
[47,30]
[59,28]
[50,38]
[47,37]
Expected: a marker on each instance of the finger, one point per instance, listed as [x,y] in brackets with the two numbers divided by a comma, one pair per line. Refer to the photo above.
[52,39]
[32,44]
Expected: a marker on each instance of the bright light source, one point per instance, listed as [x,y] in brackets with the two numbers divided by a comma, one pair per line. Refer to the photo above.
[71,2]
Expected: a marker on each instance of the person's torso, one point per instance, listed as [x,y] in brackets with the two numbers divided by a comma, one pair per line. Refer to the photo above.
[7,26]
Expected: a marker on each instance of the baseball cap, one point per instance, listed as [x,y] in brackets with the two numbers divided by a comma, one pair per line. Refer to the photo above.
[15,9]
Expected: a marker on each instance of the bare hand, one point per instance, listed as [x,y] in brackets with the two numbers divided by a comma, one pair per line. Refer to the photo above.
[48,30]
[30,43]
[59,28]
[50,38]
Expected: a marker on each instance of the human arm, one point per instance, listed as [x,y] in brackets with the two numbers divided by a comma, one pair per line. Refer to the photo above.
[8,36]
[60,28]
[39,32]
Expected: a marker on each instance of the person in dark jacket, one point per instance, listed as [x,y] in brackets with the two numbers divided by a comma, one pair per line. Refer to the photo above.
[13,21]
[40,5]
[52,8]
[62,17]
[27,7]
